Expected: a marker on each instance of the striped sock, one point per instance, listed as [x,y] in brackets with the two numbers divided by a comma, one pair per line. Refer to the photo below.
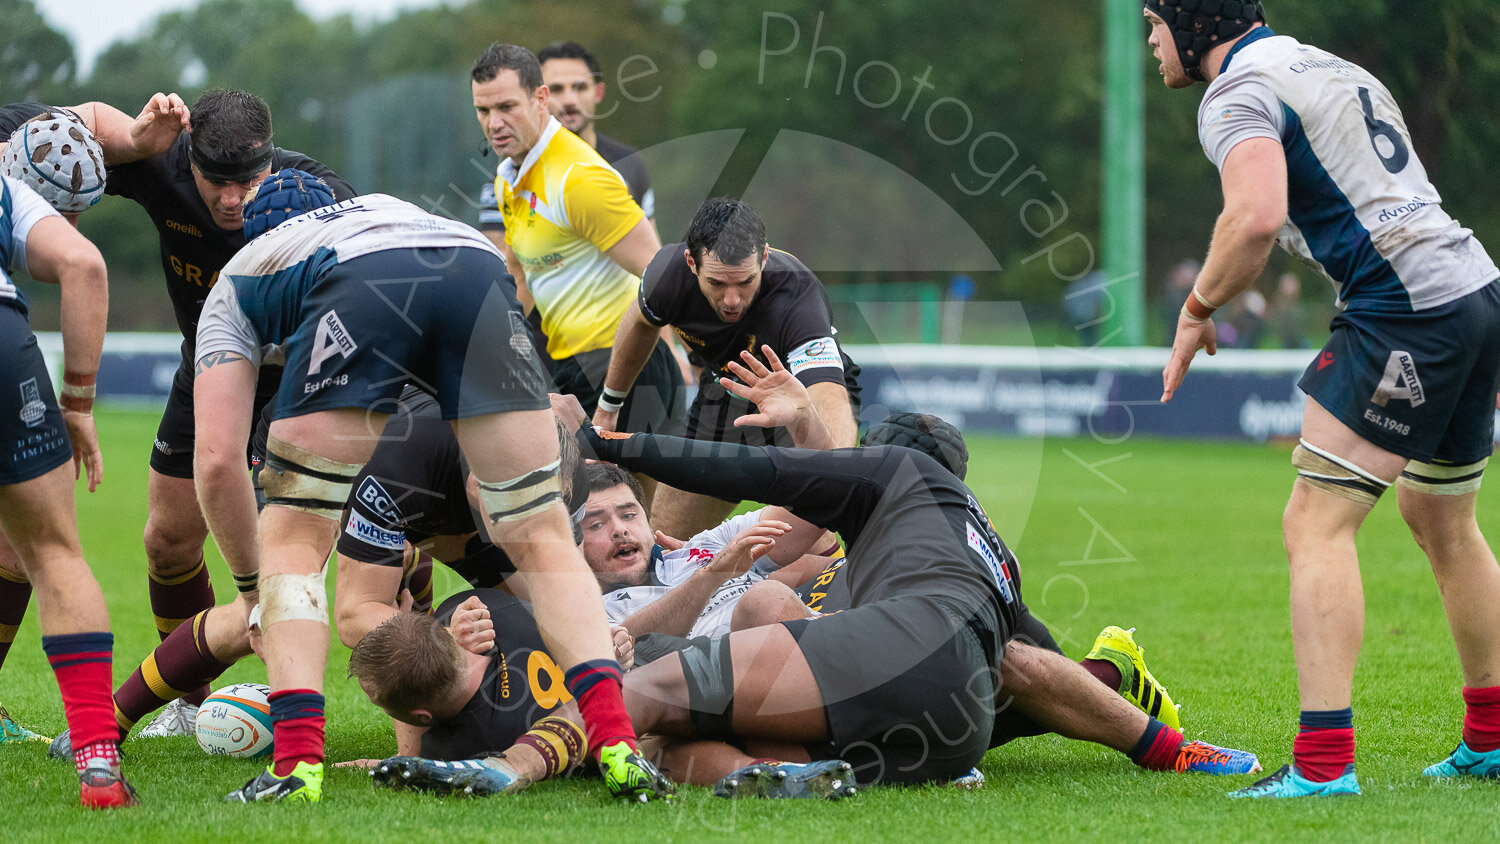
[81,662]
[174,600]
[1482,718]
[182,661]
[15,594]
[1325,746]
[297,728]
[596,685]
[1157,748]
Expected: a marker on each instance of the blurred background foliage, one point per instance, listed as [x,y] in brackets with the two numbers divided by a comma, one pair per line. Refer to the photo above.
[969,114]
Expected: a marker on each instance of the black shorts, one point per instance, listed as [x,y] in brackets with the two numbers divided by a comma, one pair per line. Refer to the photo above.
[442,319]
[657,404]
[35,440]
[172,453]
[1421,385]
[929,721]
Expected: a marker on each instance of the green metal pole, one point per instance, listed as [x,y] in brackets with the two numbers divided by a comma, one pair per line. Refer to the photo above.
[1122,206]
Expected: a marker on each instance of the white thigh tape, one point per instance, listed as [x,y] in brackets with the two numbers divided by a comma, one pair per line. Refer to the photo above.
[293,597]
[518,498]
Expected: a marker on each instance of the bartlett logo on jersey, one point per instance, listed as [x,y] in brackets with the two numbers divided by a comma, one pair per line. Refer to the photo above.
[814,354]
[332,339]
[1400,382]
[999,569]
[363,530]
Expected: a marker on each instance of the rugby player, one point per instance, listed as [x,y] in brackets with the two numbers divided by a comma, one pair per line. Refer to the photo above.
[723,291]
[304,287]
[36,494]
[1313,151]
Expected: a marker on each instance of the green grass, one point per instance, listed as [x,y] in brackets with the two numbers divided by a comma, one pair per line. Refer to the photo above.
[1182,541]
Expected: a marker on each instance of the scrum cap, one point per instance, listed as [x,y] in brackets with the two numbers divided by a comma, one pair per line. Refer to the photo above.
[925,433]
[57,156]
[282,196]
[1200,25]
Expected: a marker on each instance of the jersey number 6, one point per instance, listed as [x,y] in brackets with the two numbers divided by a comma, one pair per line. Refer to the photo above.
[1400,155]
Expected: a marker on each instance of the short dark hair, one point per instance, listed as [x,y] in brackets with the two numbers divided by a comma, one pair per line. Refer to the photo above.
[604,476]
[408,662]
[230,124]
[568,50]
[508,57]
[728,228]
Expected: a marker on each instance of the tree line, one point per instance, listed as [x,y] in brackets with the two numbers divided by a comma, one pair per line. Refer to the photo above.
[892,142]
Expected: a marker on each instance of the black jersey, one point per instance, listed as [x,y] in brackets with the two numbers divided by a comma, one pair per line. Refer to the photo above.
[413,489]
[193,247]
[14,114]
[522,684]
[790,313]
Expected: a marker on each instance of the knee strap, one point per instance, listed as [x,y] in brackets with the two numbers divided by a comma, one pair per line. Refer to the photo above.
[1436,479]
[297,478]
[709,672]
[1334,474]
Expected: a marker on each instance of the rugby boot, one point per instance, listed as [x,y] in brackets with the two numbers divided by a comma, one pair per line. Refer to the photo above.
[466,777]
[1117,646]
[303,785]
[830,779]
[1467,763]
[631,777]
[1288,782]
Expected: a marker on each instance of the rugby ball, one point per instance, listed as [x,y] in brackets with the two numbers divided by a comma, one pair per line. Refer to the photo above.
[236,721]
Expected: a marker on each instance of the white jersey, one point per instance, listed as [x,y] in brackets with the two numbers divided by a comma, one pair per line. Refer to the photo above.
[255,311]
[1360,205]
[669,569]
[20,209]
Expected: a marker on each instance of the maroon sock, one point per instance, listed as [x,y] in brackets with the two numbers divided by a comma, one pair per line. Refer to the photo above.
[297,727]
[1323,755]
[15,594]
[182,661]
[1104,671]
[81,662]
[596,685]
[1157,748]
[174,600]
[418,580]
[1482,718]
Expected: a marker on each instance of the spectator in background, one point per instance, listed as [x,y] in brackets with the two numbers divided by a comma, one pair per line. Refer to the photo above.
[1288,319]
[1083,303]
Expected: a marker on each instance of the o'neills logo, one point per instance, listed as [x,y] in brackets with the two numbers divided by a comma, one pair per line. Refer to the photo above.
[188,229]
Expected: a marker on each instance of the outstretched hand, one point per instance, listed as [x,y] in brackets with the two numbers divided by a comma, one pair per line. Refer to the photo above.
[779,397]
[1192,335]
[156,128]
[751,543]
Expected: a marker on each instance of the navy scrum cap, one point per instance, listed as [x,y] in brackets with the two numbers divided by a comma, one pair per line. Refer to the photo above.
[925,433]
[282,196]
[1200,25]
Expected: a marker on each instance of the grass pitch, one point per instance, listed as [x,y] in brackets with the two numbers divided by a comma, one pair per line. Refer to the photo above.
[1180,540]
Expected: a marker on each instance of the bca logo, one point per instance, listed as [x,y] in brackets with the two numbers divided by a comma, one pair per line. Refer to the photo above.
[1400,382]
[332,339]
[376,498]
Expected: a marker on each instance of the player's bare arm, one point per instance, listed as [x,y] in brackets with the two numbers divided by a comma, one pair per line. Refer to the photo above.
[634,340]
[125,139]
[223,395]
[57,254]
[1255,208]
